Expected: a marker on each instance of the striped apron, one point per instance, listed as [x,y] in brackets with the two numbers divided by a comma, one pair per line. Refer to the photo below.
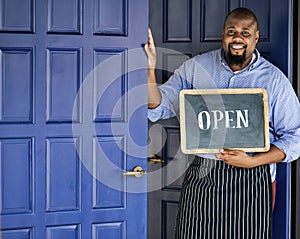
[219,201]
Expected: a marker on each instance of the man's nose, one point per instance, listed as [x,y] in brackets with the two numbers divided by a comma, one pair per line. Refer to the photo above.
[238,35]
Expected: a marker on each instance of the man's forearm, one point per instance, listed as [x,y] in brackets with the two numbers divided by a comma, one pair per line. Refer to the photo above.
[239,158]
[154,96]
[274,155]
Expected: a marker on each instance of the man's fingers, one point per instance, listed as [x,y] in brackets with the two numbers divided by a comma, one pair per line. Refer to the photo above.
[146,47]
[150,35]
[230,152]
[226,154]
[150,39]
[150,51]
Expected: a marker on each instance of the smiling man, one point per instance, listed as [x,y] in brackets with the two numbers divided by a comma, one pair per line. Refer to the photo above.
[239,39]
[228,195]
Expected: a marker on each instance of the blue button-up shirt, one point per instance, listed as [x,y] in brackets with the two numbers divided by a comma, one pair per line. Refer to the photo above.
[210,70]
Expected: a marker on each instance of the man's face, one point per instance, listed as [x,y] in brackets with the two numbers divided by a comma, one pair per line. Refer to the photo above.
[240,36]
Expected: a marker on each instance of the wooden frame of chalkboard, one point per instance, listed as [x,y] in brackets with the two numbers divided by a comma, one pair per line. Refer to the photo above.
[213,119]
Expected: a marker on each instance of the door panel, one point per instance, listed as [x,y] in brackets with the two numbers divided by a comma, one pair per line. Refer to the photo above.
[191,27]
[66,121]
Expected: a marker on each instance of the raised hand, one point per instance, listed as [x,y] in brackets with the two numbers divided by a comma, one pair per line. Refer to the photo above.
[150,50]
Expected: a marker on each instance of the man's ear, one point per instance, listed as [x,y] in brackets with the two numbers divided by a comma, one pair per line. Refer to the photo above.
[257,36]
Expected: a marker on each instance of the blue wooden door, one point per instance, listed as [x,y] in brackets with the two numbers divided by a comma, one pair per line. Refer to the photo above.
[73,119]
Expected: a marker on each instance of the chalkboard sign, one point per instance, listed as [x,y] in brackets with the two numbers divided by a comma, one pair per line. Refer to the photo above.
[211,120]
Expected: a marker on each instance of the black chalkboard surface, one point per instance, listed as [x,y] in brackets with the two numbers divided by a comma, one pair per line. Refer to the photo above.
[224,118]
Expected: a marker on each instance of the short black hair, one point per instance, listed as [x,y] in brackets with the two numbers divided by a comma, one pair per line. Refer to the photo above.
[242,12]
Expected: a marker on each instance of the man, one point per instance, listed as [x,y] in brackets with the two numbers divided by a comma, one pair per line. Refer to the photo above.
[228,195]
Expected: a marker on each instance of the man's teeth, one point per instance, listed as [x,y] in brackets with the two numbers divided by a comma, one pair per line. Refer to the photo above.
[237,47]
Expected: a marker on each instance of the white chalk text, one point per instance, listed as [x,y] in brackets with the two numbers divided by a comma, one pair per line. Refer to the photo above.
[231,118]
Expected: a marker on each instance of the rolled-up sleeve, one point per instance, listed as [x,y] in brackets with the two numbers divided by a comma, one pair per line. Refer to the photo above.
[286,123]
[169,106]
[164,111]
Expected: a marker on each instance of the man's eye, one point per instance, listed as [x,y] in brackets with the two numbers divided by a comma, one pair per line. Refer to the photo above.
[245,33]
[230,32]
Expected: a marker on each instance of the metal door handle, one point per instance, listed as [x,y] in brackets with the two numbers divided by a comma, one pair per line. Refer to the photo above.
[155,159]
[137,171]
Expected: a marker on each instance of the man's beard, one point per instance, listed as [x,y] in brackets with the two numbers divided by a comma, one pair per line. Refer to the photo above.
[238,60]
